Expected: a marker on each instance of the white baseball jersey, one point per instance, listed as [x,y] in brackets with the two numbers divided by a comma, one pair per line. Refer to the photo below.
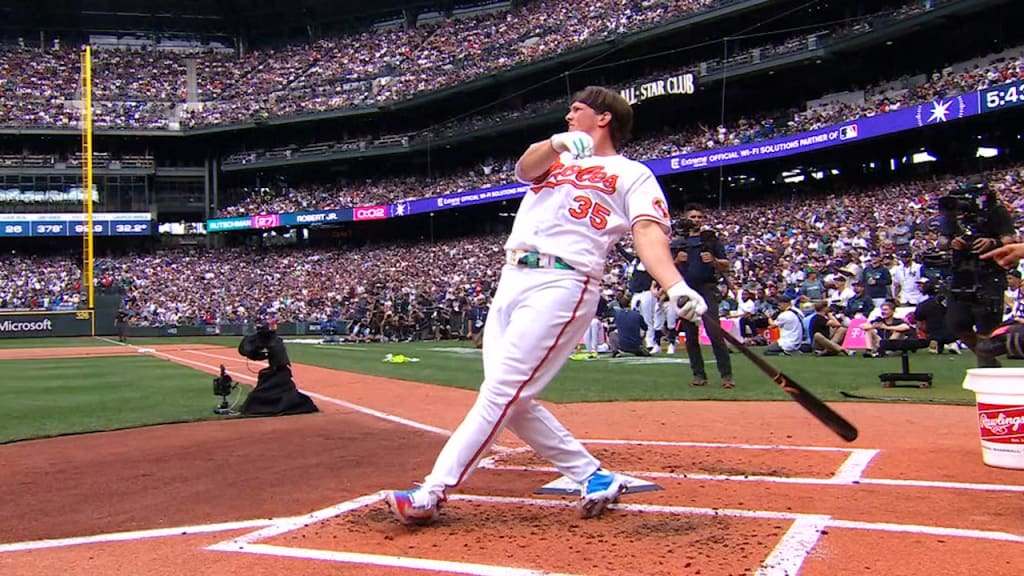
[578,209]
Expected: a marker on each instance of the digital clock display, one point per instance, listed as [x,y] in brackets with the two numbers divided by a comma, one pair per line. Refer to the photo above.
[1003,96]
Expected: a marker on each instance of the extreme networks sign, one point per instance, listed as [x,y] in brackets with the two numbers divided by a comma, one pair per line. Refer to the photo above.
[680,84]
[927,114]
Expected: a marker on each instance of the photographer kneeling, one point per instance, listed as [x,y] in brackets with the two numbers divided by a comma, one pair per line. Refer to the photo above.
[975,222]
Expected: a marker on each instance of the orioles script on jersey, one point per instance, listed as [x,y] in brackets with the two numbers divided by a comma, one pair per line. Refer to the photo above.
[579,177]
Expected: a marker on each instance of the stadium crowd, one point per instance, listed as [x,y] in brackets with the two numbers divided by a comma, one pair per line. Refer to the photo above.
[147,88]
[843,230]
[670,142]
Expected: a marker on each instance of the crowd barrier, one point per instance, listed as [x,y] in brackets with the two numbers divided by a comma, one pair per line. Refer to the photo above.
[283,329]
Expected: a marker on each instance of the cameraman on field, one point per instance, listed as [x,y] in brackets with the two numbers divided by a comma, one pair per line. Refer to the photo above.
[975,222]
[700,258]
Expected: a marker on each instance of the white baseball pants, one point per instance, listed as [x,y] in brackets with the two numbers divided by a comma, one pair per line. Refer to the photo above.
[535,321]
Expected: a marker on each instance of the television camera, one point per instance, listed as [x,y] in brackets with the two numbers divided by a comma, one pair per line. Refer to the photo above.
[967,213]
[683,228]
[967,209]
[223,386]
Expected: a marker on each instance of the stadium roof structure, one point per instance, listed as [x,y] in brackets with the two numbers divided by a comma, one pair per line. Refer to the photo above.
[254,19]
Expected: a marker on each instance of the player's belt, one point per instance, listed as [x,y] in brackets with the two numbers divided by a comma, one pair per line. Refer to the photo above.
[533,259]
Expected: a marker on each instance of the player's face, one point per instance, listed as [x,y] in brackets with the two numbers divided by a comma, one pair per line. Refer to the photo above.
[583,118]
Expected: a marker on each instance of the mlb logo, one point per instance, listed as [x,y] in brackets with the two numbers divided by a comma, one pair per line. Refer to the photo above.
[848,132]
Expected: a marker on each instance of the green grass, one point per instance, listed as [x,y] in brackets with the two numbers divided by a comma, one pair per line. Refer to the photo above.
[605,379]
[40,398]
[51,397]
[52,342]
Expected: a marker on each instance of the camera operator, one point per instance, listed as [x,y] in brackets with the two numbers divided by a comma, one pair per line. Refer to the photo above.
[930,318]
[974,222]
[700,258]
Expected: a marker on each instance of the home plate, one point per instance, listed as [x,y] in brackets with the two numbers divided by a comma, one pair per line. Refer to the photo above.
[565,487]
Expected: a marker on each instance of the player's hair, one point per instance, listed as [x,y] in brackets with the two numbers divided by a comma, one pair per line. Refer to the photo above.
[603,100]
[693,206]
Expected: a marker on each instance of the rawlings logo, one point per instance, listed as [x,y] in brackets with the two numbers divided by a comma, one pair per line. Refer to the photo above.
[579,177]
[1002,424]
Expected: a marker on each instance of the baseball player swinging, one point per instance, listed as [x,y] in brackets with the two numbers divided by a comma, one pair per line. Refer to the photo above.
[584,198]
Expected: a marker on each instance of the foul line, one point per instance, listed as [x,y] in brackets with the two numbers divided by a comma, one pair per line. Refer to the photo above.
[351,406]
[136,535]
[335,401]
[362,559]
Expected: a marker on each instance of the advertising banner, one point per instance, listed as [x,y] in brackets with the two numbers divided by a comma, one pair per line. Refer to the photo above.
[931,113]
[45,324]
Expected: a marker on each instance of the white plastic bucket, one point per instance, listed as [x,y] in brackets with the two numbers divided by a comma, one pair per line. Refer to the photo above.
[1000,396]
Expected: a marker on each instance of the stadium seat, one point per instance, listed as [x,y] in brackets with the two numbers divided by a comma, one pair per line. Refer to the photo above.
[905,347]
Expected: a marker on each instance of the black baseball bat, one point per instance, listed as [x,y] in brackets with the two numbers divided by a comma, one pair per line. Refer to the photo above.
[810,402]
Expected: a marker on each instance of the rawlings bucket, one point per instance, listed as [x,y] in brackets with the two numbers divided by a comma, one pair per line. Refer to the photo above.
[1000,396]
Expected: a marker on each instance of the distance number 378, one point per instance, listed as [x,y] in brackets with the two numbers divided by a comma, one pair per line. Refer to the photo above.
[585,208]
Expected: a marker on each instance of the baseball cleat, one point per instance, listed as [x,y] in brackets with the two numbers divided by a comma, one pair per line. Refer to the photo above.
[414,507]
[600,490]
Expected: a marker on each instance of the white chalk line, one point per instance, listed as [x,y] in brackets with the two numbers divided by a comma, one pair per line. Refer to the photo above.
[133,535]
[786,559]
[278,526]
[354,407]
[852,470]
[836,480]
[722,445]
[363,559]
[796,544]
[286,525]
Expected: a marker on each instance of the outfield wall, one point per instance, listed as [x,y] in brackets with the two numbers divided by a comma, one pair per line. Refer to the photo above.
[46,324]
[284,329]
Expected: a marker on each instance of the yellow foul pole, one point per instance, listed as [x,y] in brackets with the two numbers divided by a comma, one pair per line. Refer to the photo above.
[87,237]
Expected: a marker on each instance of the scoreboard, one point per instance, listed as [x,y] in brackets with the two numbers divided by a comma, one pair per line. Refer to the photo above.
[74,224]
